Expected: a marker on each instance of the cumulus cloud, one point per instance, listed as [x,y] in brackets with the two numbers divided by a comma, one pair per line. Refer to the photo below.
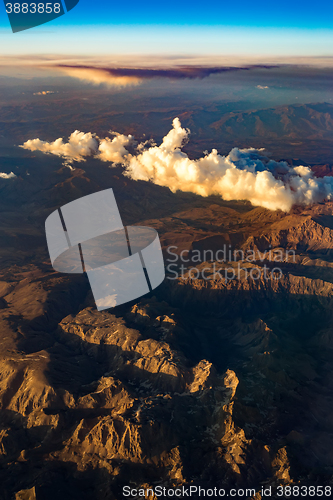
[3,175]
[81,145]
[243,174]
[78,146]
[114,149]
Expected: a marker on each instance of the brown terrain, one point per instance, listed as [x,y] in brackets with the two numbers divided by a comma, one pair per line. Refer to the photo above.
[299,131]
[200,382]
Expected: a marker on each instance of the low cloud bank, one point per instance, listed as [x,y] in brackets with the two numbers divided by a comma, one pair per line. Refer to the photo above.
[243,174]
[129,76]
[179,71]
[100,75]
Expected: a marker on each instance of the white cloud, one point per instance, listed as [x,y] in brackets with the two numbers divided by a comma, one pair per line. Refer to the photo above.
[81,145]
[243,174]
[114,150]
[3,175]
[78,146]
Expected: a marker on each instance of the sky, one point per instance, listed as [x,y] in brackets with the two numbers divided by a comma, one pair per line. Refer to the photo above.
[251,13]
[212,27]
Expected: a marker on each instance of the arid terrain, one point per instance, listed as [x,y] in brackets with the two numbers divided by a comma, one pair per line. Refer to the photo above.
[199,382]
[203,381]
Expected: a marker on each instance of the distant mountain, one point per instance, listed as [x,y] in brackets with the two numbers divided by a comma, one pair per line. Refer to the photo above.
[306,121]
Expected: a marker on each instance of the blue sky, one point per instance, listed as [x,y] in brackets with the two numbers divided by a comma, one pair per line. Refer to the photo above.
[224,27]
[255,13]
[261,13]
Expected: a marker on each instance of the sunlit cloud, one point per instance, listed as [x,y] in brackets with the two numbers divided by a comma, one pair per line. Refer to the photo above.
[78,146]
[3,175]
[81,145]
[99,76]
[243,174]
[113,150]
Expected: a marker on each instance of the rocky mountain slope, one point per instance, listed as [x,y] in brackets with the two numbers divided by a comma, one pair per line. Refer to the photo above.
[201,382]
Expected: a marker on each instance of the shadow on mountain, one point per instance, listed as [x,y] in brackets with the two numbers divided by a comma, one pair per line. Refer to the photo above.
[267,336]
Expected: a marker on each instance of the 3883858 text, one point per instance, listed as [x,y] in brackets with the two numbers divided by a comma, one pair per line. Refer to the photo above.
[33,8]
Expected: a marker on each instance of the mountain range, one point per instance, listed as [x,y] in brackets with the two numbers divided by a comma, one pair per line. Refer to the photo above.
[200,382]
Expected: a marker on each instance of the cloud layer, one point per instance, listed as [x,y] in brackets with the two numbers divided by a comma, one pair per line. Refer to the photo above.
[243,174]
[100,75]
[126,76]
